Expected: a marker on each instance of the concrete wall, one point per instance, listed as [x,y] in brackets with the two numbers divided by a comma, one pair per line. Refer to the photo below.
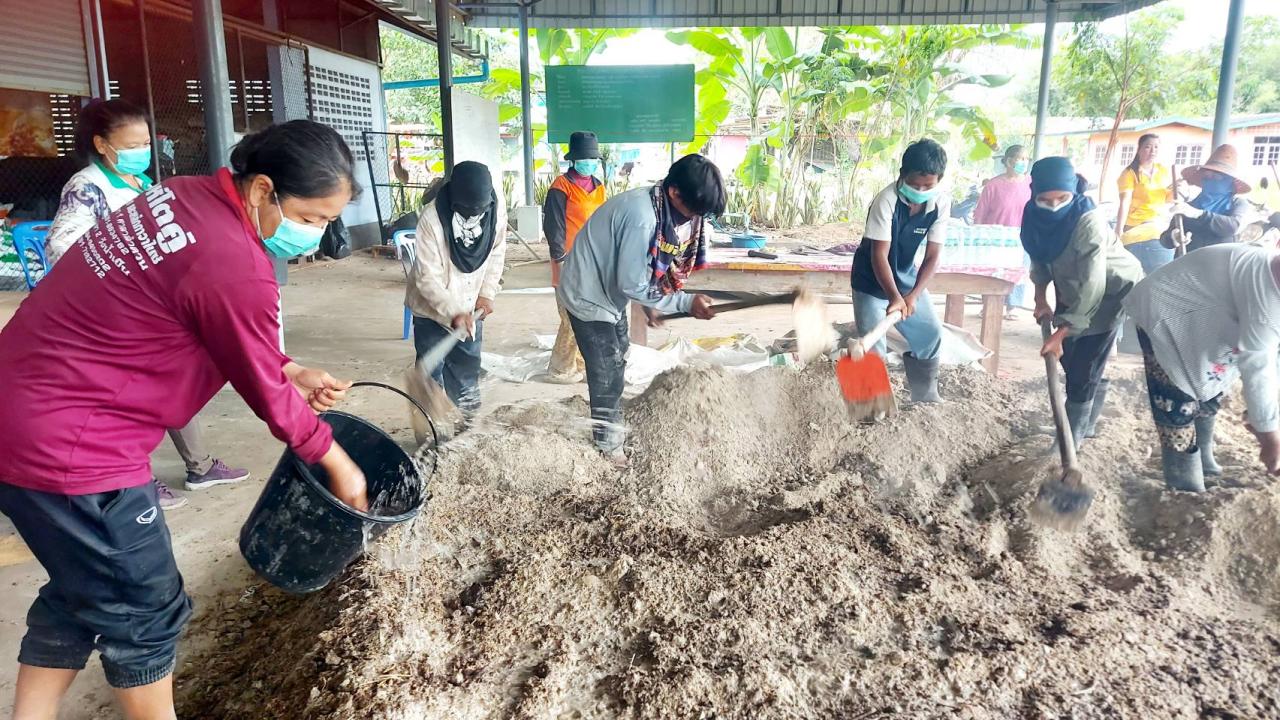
[475,133]
[348,97]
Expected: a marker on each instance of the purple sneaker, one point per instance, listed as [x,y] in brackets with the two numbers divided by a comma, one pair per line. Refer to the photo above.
[219,474]
[169,500]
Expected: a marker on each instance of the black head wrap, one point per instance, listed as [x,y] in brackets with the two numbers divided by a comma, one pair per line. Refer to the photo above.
[469,191]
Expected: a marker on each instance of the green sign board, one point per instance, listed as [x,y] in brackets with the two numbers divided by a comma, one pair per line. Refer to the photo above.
[621,103]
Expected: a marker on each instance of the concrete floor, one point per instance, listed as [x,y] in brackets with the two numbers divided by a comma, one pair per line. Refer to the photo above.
[345,317]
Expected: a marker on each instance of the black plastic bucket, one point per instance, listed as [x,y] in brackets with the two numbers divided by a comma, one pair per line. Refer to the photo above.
[299,536]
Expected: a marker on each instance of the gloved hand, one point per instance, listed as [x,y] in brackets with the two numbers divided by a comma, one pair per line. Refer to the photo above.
[1179,237]
[1184,209]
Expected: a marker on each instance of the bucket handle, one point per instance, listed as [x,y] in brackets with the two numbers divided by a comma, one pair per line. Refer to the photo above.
[435,438]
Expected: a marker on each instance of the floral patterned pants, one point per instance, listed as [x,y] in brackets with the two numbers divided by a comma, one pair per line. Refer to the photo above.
[1174,411]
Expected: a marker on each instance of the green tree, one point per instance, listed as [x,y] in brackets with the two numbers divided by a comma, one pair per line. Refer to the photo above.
[557,46]
[1118,75]
[408,58]
[743,66]
[405,57]
[865,90]
[1257,88]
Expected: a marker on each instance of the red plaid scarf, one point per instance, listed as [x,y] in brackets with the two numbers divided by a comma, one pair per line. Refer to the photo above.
[671,263]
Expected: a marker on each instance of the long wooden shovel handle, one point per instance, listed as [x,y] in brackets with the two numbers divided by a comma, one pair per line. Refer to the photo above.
[741,305]
[1179,248]
[868,341]
[1066,443]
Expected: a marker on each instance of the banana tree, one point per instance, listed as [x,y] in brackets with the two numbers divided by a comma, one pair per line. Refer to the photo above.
[917,70]
[557,46]
[737,59]
[746,67]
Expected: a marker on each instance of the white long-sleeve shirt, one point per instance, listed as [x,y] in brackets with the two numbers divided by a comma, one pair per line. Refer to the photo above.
[1210,315]
[437,289]
[87,199]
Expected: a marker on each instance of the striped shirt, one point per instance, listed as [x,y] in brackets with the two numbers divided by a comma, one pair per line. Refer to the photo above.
[1212,315]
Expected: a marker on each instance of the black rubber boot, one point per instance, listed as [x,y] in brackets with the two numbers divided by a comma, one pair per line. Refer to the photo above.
[1182,470]
[1099,400]
[922,378]
[1204,441]
[1078,418]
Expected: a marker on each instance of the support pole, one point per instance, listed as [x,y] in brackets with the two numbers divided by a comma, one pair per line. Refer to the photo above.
[215,81]
[1227,75]
[526,115]
[444,52]
[1046,65]
[151,98]
[280,110]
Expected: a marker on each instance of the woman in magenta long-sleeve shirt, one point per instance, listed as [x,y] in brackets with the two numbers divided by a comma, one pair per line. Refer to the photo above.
[142,322]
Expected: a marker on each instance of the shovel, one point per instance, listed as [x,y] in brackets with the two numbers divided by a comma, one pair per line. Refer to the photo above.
[426,392]
[863,377]
[741,305]
[436,355]
[814,336]
[1179,249]
[1061,503]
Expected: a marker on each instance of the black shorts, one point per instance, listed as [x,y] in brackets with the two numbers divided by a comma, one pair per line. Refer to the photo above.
[113,583]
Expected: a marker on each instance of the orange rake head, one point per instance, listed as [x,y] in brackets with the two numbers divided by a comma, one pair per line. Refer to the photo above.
[864,382]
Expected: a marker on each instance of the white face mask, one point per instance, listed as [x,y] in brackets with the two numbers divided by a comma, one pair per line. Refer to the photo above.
[1051,207]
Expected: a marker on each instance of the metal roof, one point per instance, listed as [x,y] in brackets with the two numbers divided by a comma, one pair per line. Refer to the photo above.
[753,13]
[421,16]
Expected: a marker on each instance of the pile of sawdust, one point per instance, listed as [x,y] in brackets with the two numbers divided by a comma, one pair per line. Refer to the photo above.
[764,558]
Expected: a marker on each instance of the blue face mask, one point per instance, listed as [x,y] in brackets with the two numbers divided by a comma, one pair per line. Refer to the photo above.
[914,196]
[586,167]
[292,239]
[133,161]
[1020,167]
[1220,185]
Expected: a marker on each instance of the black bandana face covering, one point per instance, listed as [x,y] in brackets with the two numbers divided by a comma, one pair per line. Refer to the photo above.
[469,192]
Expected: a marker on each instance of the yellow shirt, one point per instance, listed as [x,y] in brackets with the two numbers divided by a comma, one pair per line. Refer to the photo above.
[1151,193]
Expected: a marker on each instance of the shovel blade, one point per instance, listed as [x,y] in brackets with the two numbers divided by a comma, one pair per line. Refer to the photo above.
[814,335]
[1063,503]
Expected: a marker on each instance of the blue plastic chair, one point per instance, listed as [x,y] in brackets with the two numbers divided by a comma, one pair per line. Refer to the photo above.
[28,237]
[405,242]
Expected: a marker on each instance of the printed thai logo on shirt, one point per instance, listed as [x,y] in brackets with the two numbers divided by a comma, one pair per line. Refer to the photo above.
[145,232]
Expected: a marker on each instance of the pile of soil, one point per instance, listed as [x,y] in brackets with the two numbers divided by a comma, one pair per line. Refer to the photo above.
[765,558]
[826,235]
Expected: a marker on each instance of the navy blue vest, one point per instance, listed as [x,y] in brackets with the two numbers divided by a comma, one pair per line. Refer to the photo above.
[908,232]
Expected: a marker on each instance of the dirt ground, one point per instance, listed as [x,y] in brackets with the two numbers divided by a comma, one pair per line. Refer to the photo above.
[824,236]
[762,558]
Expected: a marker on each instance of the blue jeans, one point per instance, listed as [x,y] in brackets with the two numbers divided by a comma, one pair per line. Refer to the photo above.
[459,374]
[922,330]
[1151,255]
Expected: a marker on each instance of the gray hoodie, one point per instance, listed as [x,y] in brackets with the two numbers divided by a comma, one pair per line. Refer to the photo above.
[609,264]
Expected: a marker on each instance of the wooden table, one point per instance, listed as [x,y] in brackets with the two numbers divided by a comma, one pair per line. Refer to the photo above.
[733,271]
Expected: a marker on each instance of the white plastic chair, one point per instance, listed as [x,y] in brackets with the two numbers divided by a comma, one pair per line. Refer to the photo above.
[406,243]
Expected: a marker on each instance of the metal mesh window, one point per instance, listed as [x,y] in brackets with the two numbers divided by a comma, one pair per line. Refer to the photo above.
[36,159]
